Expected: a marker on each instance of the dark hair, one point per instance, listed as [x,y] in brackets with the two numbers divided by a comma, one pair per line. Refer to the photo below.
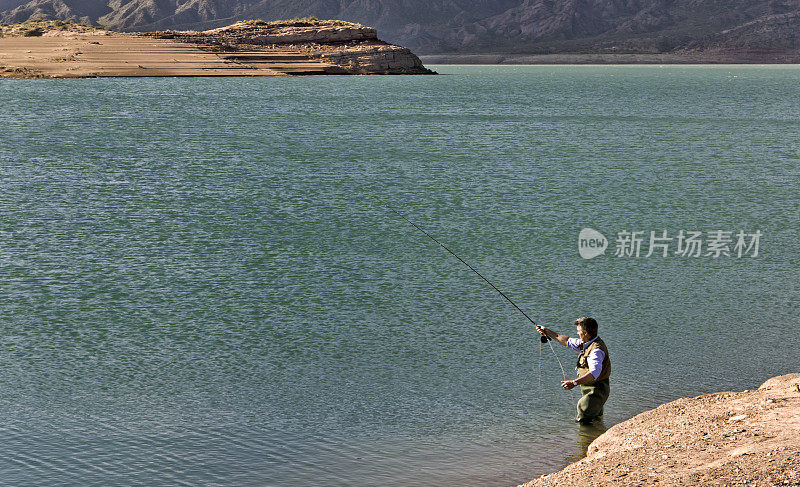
[588,324]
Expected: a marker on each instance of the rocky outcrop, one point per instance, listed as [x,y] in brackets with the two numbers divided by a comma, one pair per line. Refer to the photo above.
[58,49]
[721,439]
[341,47]
[266,33]
[387,59]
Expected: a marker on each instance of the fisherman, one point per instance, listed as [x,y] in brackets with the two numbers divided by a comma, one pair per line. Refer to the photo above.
[593,367]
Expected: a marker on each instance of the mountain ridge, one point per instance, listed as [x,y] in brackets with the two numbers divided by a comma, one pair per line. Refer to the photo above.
[461,26]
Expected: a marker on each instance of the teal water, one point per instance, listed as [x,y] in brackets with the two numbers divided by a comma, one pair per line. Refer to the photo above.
[199,286]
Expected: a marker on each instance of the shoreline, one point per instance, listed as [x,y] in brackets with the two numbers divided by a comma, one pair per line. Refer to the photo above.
[48,49]
[704,57]
[724,438]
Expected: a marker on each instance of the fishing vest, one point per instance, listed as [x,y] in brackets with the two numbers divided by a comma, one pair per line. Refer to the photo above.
[583,361]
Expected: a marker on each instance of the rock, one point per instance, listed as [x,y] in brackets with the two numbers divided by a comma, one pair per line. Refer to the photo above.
[258,34]
[344,47]
[762,453]
[788,381]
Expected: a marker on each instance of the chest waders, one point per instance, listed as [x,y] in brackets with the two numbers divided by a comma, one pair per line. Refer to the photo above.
[595,393]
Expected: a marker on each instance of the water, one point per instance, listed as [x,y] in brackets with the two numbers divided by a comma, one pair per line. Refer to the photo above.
[199,286]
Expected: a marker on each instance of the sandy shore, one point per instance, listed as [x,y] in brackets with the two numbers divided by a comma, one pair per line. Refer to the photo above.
[728,438]
[86,55]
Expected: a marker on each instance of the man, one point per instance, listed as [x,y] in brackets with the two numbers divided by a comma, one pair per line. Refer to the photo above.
[593,368]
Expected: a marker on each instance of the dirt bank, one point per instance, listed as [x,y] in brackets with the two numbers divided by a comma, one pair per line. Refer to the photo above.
[62,50]
[728,438]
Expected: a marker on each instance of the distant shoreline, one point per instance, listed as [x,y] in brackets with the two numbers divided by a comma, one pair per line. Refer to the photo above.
[705,57]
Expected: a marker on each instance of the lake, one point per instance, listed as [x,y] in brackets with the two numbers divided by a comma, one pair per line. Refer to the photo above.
[202,283]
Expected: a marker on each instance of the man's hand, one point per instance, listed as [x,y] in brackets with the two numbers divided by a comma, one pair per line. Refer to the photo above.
[568,384]
[562,339]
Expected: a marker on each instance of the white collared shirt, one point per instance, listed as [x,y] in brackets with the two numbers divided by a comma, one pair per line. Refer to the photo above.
[595,359]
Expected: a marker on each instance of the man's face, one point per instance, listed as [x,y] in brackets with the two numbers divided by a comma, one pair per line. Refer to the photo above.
[583,334]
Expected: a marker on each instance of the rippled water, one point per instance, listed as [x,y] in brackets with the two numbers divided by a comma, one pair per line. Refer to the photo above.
[200,287]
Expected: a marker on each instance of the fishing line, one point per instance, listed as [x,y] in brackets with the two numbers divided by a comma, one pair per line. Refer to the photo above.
[559,361]
[544,338]
[554,395]
[540,367]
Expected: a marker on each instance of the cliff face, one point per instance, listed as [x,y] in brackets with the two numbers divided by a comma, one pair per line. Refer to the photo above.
[470,26]
[345,47]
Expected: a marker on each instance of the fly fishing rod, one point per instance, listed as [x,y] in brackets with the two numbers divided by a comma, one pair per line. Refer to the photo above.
[544,338]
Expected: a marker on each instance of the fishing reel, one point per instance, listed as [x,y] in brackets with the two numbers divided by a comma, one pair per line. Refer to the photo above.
[544,338]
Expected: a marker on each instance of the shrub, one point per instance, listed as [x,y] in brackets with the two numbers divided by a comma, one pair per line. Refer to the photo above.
[35,32]
[297,22]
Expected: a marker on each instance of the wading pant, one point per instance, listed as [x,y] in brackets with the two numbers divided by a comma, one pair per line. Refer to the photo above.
[590,405]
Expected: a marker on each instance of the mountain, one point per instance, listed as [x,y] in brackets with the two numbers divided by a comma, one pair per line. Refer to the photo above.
[472,26]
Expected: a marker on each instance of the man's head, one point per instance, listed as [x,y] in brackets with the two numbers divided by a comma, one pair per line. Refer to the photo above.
[587,328]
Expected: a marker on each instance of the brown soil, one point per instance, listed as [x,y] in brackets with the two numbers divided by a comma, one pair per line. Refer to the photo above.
[729,438]
[81,56]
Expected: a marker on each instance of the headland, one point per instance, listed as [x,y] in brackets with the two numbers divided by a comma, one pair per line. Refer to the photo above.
[57,49]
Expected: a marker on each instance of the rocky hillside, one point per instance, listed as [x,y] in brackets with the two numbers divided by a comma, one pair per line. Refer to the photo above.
[474,26]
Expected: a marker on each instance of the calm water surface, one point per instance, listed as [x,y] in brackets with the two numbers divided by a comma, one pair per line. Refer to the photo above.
[199,286]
